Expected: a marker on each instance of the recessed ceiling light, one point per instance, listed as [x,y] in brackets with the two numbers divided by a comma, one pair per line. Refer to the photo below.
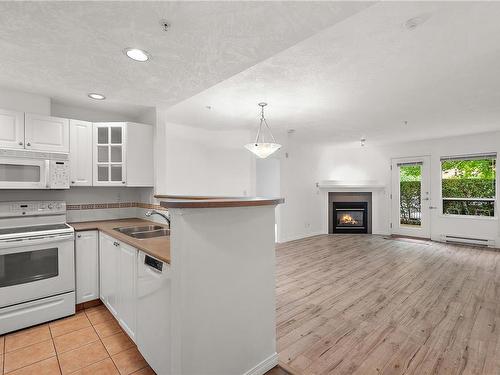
[96,96]
[137,54]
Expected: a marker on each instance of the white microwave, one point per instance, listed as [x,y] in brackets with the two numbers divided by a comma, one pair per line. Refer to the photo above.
[33,170]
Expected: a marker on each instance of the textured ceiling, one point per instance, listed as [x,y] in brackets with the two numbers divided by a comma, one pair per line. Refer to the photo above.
[368,74]
[67,49]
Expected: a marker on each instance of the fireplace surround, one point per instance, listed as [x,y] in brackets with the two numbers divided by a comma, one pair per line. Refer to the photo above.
[349,212]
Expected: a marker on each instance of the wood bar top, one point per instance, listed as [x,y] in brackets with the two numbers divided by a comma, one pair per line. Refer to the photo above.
[158,247]
[195,197]
[216,202]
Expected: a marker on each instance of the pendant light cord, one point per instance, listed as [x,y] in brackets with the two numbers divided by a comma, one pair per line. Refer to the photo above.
[263,120]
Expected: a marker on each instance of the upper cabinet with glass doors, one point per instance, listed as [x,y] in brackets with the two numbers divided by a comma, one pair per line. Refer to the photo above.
[109,154]
[123,154]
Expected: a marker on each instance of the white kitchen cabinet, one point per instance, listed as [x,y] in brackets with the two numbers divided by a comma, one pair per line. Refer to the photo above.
[46,133]
[109,154]
[127,305]
[11,129]
[87,266]
[109,262]
[123,154]
[139,155]
[80,153]
[118,280]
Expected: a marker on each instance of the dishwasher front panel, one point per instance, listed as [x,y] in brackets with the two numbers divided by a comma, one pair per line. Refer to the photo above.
[154,312]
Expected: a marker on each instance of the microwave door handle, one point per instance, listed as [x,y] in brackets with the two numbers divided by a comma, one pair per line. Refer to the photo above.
[47,174]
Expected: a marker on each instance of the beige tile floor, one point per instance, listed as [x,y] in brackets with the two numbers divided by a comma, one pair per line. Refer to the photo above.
[90,342]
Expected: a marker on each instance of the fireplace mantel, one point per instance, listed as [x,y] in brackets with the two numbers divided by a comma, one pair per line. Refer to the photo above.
[335,185]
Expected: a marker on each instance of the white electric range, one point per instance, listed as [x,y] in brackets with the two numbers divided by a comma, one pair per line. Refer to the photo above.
[37,266]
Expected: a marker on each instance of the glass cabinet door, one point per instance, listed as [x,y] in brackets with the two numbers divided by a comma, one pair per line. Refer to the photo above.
[110,154]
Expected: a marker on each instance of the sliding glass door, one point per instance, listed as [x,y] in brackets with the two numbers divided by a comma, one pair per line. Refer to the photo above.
[410,197]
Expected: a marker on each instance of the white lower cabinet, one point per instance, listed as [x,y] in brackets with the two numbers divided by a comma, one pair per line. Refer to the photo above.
[118,274]
[87,266]
[127,289]
[109,263]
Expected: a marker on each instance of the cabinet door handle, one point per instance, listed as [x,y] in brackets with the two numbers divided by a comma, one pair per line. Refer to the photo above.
[123,182]
[20,143]
[116,243]
[72,182]
[28,144]
[79,236]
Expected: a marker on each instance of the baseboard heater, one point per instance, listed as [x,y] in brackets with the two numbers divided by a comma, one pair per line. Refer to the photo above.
[467,240]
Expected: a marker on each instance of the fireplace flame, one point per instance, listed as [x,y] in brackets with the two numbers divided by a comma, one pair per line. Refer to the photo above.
[348,219]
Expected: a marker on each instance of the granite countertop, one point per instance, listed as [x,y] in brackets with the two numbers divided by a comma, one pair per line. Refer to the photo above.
[158,247]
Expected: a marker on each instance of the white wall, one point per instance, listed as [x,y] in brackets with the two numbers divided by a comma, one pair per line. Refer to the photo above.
[305,212]
[193,161]
[268,184]
[24,102]
[300,215]
[267,177]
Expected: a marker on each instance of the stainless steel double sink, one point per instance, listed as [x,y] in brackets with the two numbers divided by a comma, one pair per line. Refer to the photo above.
[144,232]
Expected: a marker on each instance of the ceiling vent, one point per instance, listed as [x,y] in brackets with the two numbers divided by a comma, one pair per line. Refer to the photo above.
[414,22]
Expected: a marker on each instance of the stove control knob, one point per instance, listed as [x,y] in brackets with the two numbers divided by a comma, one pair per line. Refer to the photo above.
[50,206]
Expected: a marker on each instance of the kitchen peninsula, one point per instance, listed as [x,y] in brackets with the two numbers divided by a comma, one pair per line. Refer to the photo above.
[222,285]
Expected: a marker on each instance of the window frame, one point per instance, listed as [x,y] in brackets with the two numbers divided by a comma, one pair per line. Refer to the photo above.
[495,200]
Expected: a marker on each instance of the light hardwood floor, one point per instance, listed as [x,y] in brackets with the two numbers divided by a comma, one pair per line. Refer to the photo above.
[364,304]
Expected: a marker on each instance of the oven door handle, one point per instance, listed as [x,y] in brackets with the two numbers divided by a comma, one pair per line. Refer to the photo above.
[30,241]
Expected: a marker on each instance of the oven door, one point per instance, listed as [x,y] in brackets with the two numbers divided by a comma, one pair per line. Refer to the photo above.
[23,173]
[36,267]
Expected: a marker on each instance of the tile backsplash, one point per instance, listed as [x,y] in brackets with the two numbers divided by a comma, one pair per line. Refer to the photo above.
[105,211]
[94,203]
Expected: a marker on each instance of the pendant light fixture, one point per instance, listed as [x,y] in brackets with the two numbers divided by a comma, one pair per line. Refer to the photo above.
[260,147]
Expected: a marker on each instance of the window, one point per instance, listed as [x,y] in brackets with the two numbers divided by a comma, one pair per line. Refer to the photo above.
[468,185]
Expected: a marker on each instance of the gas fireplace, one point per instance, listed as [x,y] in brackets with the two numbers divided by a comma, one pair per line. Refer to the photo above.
[350,217]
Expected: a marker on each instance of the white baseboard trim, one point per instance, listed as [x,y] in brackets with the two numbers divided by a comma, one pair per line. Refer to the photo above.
[301,236]
[263,367]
